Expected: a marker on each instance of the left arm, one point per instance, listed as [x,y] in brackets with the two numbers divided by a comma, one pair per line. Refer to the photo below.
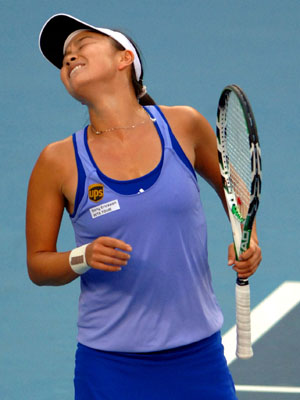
[199,142]
[207,165]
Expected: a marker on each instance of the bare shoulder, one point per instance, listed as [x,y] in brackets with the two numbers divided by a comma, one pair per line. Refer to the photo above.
[57,152]
[192,130]
[184,114]
[188,122]
[54,164]
[56,156]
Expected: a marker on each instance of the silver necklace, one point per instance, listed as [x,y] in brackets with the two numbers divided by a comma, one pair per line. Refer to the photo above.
[122,127]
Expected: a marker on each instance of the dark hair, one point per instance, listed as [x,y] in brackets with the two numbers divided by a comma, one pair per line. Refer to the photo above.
[138,86]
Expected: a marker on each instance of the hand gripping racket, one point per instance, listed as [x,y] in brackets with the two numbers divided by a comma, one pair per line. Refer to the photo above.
[240,166]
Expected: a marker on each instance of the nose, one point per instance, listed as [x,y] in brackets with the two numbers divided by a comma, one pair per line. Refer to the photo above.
[70,59]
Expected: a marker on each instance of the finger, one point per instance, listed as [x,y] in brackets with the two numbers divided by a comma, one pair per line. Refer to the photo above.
[113,253]
[115,243]
[246,255]
[113,258]
[103,259]
[249,261]
[105,267]
[100,256]
[245,274]
[247,268]
[231,254]
[252,259]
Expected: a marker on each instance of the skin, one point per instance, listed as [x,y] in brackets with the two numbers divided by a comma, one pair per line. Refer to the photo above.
[103,84]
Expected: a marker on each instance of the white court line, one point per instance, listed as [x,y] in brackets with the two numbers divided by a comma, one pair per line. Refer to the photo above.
[267,389]
[265,315]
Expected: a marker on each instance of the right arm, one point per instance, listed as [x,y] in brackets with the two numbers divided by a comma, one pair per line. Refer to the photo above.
[49,187]
[45,206]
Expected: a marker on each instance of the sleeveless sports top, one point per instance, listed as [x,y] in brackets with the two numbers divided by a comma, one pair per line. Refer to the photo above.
[163,298]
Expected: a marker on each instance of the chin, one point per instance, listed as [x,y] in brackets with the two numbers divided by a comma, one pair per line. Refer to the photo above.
[81,99]
[77,95]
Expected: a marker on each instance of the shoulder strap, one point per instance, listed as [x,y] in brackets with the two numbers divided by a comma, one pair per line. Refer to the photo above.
[81,174]
[169,137]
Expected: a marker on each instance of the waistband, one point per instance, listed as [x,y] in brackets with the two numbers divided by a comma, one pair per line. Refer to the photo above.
[212,343]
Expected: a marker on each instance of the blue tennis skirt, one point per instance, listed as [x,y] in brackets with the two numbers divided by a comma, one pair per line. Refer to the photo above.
[194,372]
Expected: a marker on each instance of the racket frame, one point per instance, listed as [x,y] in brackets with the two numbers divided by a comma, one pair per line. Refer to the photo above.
[241,227]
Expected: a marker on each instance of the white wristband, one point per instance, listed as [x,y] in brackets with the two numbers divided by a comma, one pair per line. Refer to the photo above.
[77,260]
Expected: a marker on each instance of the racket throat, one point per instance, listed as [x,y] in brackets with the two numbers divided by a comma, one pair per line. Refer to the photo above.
[245,241]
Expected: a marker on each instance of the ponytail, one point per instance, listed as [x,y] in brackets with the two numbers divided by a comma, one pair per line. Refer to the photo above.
[141,92]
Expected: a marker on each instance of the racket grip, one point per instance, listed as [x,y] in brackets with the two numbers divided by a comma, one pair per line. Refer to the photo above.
[243,323]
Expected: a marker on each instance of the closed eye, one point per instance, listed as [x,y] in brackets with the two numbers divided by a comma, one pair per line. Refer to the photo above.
[84,40]
[80,43]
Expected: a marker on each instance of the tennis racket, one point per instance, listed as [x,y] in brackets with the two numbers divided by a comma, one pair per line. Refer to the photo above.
[240,166]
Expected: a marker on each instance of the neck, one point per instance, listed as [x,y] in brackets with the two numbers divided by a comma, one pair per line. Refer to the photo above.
[115,111]
[110,103]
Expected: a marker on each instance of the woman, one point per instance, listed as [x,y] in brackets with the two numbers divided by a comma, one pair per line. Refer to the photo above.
[149,324]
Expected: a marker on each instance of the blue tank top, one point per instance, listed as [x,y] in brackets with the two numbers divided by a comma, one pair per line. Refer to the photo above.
[163,298]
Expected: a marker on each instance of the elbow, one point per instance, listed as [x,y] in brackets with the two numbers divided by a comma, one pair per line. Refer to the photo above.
[38,280]
[35,271]
[40,275]
[34,277]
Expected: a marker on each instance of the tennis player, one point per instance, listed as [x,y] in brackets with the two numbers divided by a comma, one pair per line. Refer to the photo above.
[149,323]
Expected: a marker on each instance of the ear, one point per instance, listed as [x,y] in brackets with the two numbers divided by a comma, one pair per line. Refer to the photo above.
[126,59]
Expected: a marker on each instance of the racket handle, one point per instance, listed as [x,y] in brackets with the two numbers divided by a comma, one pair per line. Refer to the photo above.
[243,323]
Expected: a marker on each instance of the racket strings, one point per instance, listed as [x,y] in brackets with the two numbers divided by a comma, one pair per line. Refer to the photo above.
[237,144]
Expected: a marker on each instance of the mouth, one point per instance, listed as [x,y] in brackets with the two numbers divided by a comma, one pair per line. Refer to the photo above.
[75,69]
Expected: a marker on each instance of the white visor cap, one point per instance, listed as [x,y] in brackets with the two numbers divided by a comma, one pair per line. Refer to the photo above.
[59,30]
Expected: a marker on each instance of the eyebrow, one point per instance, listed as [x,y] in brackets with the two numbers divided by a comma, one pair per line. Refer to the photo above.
[87,36]
[84,37]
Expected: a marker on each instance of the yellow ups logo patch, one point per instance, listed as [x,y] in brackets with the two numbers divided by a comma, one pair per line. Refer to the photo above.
[96,192]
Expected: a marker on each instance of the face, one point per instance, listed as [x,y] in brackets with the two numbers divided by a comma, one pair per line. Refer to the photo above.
[90,57]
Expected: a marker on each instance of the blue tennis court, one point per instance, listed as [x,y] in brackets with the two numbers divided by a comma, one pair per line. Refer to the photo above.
[191,49]
[279,379]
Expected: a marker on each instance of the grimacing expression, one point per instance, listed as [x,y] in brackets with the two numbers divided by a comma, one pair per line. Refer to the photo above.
[89,57]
